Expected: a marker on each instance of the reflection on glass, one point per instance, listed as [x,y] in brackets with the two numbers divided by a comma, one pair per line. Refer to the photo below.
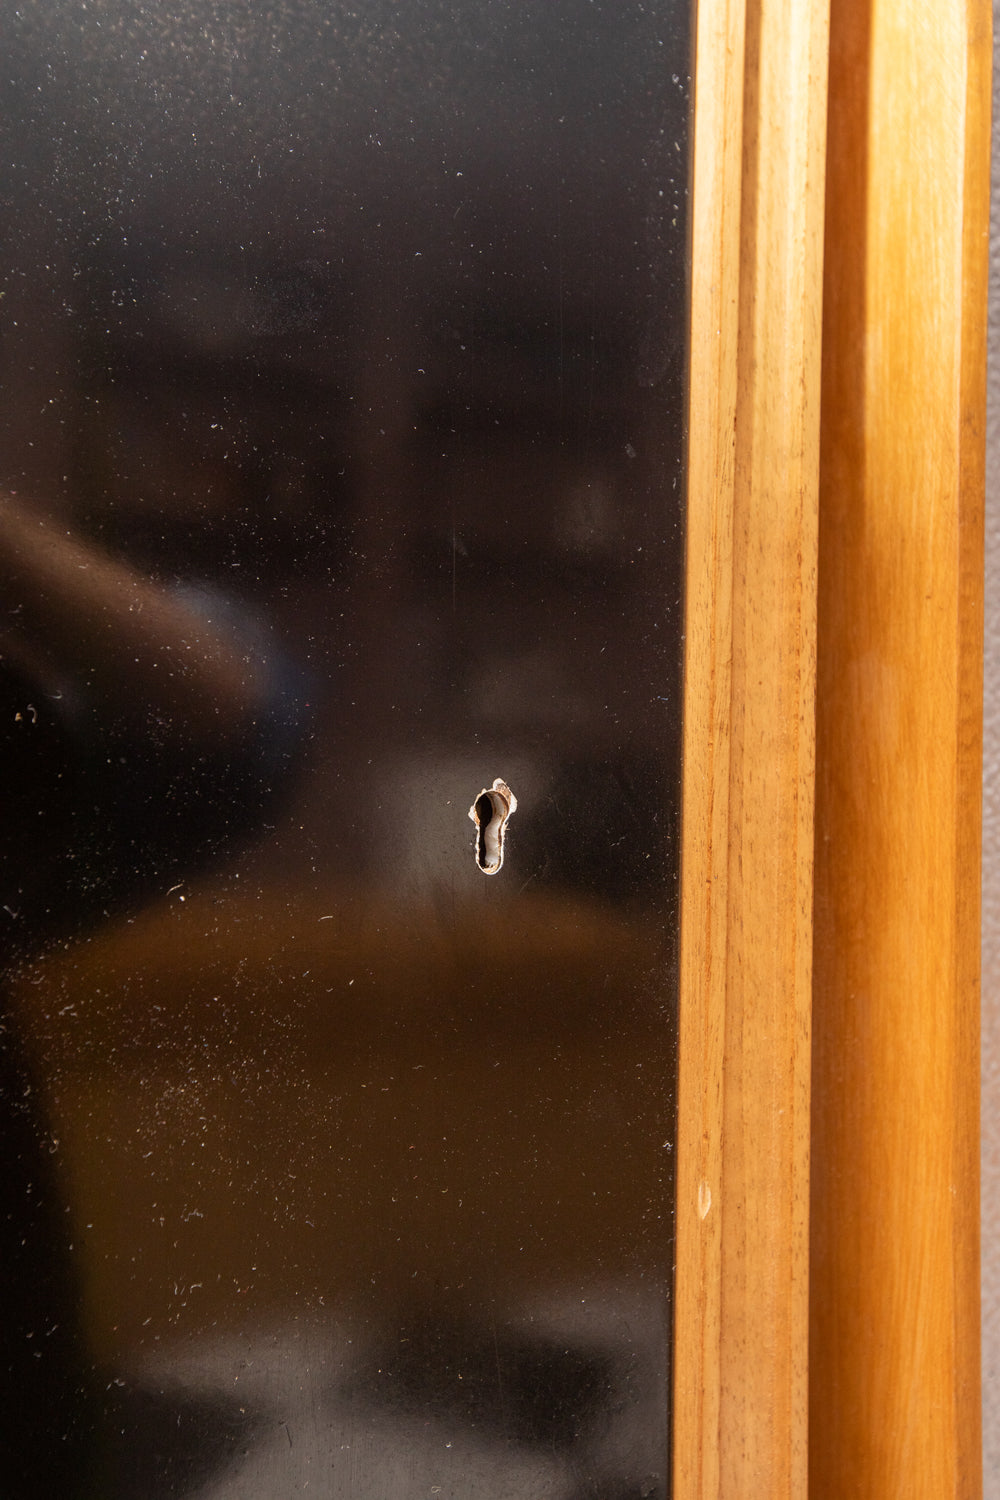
[341,451]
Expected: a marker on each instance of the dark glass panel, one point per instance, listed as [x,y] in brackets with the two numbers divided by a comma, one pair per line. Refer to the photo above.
[341,451]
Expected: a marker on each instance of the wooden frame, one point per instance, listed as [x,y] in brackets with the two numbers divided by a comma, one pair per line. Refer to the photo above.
[896,528]
[742,1279]
[894,1364]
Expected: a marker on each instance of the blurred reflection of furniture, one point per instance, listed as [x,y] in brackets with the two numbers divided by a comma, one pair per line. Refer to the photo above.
[267,1104]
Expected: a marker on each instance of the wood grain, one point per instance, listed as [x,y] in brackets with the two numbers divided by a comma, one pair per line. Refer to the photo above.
[894,1304]
[741,1295]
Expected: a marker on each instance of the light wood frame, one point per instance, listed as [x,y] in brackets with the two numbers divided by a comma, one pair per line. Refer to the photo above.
[894,1362]
[882,1022]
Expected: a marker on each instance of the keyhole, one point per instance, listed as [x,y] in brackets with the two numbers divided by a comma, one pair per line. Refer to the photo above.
[490,812]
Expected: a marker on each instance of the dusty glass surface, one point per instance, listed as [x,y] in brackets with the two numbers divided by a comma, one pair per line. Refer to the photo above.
[342,353]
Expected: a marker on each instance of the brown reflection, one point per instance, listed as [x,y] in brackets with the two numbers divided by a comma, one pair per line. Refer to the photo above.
[342,360]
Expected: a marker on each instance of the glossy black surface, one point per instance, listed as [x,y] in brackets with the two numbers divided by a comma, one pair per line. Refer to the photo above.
[342,355]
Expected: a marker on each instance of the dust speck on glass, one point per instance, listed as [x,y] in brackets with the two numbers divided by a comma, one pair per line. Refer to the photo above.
[342,369]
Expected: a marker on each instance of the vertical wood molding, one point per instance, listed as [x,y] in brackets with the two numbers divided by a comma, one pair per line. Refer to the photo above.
[741,1305]
[894,1398]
